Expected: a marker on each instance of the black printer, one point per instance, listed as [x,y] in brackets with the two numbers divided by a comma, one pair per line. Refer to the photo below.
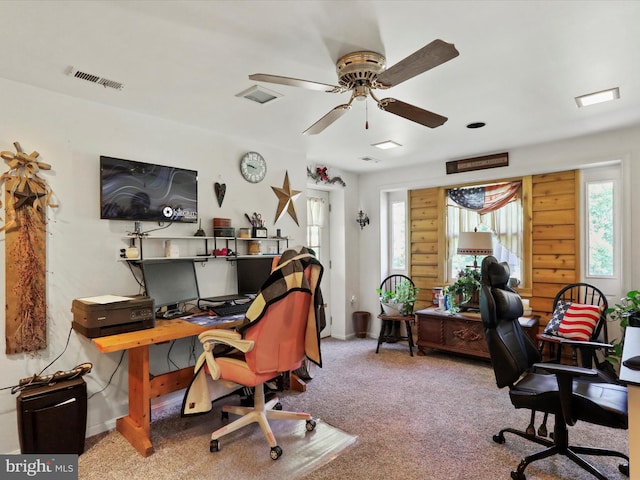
[109,315]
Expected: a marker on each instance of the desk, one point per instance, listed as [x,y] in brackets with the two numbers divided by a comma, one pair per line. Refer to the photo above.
[632,379]
[136,426]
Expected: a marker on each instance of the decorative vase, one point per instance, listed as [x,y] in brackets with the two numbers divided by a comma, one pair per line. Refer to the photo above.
[361,323]
[392,309]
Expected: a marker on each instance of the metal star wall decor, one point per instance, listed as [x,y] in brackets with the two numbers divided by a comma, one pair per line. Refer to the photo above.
[286,196]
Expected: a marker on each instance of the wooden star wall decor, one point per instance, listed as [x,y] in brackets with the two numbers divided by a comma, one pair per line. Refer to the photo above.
[286,196]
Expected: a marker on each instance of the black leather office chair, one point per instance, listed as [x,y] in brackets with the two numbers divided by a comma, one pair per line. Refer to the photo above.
[564,391]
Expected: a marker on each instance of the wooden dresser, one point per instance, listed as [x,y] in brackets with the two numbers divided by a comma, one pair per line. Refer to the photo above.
[459,333]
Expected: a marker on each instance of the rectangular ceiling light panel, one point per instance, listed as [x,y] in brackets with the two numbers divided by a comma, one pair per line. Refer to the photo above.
[598,97]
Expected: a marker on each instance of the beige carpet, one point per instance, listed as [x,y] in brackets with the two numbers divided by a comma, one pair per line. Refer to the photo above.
[422,417]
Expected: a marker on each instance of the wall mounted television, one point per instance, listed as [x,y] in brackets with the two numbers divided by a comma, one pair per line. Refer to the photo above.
[131,190]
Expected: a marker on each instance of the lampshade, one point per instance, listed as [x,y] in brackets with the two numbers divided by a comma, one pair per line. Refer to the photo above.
[475,243]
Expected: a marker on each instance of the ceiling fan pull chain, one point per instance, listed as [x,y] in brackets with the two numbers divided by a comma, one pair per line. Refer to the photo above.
[366,114]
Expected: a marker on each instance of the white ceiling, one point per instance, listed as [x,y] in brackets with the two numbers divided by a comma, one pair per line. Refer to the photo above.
[521,64]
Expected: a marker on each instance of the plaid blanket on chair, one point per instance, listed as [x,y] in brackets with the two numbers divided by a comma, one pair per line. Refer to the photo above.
[296,270]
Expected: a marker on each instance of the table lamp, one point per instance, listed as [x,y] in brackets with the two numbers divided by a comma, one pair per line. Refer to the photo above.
[475,243]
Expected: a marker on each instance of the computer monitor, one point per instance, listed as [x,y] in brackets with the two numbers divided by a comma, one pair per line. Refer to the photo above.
[252,272]
[170,282]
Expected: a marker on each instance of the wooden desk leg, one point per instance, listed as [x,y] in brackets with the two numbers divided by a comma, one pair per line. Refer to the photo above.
[296,383]
[136,427]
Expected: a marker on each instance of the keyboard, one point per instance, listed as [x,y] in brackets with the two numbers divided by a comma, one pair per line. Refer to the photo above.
[228,309]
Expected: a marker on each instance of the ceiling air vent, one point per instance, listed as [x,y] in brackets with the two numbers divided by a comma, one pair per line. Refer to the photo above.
[90,77]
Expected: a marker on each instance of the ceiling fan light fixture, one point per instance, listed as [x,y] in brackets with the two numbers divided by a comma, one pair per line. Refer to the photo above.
[386,145]
[259,94]
[598,97]
[361,92]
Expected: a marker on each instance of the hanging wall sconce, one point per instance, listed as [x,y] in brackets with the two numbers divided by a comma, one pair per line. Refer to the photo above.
[362,219]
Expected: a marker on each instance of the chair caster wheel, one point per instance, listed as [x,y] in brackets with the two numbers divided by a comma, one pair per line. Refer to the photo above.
[515,475]
[214,446]
[498,438]
[276,452]
[224,416]
[624,469]
[311,425]
[277,406]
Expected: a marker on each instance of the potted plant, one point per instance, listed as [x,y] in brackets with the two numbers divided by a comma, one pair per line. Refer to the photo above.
[626,313]
[462,291]
[399,301]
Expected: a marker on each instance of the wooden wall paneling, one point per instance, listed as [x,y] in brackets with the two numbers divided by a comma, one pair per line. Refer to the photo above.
[555,238]
[425,259]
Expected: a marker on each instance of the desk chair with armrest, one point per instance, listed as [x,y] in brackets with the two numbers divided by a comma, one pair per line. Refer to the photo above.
[565,391]
[281,328]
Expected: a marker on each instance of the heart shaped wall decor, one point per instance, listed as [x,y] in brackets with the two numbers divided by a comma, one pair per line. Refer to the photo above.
[220,189]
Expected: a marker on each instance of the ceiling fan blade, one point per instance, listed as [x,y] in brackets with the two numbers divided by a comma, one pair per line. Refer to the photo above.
[411,112]
[328,119]
[294,82]
[429,56]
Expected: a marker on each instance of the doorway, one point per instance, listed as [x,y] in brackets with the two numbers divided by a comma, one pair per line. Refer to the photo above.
[318,239]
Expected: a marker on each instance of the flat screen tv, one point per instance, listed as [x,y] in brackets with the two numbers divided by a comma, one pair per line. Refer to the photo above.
[132,190]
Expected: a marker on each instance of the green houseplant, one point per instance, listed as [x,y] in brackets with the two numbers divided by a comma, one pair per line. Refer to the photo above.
[626,313]
[463,290]
[400,300]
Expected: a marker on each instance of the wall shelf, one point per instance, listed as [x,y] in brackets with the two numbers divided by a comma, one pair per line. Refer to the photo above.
[200,249]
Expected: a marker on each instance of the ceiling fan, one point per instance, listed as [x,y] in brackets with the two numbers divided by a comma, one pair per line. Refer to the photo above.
[362,72]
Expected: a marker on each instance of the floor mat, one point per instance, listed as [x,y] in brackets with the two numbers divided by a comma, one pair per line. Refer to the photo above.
[182,451]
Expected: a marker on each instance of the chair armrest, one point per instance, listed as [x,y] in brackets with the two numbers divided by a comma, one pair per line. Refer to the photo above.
[227,337]
[210,338]
[566,370]
[565,375]
[583,344]
[549,338]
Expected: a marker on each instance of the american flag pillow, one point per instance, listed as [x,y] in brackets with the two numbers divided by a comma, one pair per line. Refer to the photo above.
[579,321]
[556,319]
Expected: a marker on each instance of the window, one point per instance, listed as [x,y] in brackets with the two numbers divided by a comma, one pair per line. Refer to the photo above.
[393,222]
[398,235]
[315,222]
[600,229]
[495,208]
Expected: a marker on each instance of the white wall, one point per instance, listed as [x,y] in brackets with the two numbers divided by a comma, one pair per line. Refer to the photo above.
[82,250]
[580,152]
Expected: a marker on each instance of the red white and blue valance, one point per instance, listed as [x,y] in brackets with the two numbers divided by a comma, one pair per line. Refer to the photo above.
[486,198]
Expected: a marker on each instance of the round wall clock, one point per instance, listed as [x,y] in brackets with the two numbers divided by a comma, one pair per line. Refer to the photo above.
[253,167]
